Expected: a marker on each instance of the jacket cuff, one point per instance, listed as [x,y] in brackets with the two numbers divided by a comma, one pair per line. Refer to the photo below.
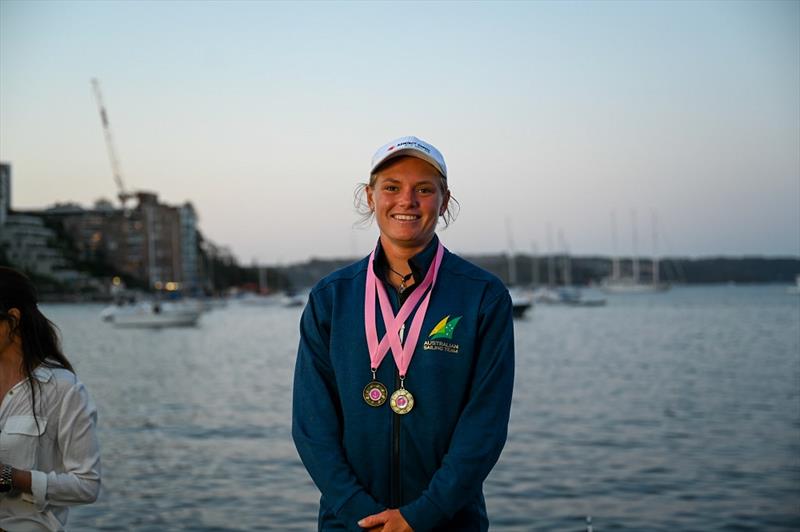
[422,514]
[356,508]
[39,489]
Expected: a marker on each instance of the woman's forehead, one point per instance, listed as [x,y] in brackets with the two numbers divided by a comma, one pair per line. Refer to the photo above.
[406,167]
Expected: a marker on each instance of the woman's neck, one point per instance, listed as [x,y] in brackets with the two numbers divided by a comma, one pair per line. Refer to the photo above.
[398,256]
[10,367]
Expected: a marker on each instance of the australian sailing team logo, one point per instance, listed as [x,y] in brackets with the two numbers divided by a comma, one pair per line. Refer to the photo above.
[443,331]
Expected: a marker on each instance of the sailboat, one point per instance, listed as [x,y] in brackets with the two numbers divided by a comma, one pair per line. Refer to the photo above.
[568,294]
[633,284]
[521,301]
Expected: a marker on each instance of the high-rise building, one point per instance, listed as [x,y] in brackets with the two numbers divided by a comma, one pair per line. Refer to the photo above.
[153,242]
[189,249]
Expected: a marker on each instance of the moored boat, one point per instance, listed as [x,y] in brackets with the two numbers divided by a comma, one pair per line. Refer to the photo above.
[795,290]
[152,315]
[570,296]
[520,303]
[631,285]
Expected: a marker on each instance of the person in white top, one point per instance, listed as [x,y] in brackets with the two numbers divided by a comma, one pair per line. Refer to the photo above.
[49,454]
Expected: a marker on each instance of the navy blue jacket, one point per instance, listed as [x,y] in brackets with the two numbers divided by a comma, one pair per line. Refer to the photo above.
[431,462]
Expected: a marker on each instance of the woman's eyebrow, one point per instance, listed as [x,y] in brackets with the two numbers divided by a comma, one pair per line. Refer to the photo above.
[424,181]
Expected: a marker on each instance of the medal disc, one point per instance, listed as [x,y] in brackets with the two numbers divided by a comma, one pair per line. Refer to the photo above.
[402,401]
[375,393]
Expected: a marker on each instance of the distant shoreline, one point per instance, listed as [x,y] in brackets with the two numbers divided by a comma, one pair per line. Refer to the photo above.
[548,270]
[586,270]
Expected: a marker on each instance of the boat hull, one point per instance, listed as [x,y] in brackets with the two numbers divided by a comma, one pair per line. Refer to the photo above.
[156,321]
[153,315]
[632,287]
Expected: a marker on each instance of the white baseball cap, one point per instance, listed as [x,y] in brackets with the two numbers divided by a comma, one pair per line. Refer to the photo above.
[413,147]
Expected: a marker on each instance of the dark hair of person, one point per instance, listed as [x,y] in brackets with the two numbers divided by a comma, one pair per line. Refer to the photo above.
[39,336]
[366,214]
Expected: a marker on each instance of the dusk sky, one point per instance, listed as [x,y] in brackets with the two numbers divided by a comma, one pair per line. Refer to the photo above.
[265,116]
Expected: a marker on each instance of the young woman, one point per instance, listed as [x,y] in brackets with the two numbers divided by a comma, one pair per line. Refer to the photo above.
[49,457]
[405,367]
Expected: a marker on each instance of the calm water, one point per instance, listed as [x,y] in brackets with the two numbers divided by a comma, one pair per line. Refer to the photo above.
[678,411]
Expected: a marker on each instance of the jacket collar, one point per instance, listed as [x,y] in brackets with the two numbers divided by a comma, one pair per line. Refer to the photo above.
[419,263]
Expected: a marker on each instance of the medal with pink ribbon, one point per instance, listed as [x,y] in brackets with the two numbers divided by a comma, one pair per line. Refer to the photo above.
[375,393]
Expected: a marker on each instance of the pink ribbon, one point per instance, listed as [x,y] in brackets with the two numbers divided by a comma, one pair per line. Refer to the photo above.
[402,353]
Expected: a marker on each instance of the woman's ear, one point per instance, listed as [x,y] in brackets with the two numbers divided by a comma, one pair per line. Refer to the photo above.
[16,316]
[370,201]
[445,203]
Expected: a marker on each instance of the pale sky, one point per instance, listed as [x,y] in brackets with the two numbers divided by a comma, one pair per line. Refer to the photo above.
[265,115]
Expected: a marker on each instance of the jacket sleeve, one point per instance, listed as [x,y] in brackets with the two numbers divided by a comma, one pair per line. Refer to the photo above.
[77,441]
[317,426]
[480,433]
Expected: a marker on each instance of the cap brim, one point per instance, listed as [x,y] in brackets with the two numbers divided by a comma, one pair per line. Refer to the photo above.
[411,152]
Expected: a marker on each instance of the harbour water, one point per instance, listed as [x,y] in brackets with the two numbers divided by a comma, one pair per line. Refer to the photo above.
[675,411]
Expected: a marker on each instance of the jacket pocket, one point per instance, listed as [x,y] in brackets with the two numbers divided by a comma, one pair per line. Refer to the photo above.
[19,440]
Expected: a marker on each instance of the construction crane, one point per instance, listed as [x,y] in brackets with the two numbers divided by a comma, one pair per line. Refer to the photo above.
[122,193]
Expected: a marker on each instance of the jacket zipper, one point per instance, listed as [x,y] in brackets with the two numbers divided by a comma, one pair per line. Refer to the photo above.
[395,492]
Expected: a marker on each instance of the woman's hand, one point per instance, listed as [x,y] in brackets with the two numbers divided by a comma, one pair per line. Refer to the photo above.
[387,521]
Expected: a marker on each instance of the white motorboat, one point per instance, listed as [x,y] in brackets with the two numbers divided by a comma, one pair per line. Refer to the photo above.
[152,315]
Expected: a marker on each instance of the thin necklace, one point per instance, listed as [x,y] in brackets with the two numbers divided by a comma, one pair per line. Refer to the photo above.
[403,279]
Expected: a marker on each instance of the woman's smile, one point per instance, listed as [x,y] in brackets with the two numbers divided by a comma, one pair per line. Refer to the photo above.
[406,217]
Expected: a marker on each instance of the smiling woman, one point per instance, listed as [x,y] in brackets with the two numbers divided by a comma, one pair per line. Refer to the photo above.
[420,463]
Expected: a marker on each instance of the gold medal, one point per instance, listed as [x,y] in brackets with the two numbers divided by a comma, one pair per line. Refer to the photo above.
[375,393]
[402,401]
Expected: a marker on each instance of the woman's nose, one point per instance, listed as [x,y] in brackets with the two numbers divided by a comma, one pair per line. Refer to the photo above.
[409,197]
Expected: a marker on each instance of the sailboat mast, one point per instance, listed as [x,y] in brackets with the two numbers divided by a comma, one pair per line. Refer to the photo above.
[566,270]
[512,263]
[656,279]
[263,286]
[615,252]
[634,230]
[551,267]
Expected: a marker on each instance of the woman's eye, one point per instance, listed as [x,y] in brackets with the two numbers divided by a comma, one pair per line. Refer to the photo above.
[390,188]
[425,190]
